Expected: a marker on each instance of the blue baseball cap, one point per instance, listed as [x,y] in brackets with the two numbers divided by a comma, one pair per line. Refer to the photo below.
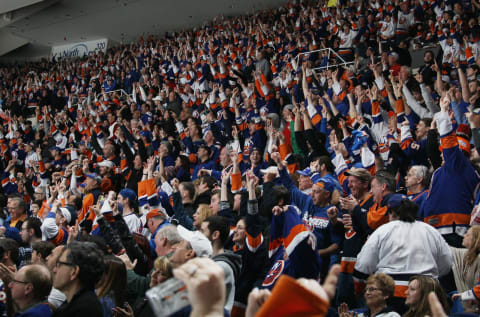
[95,177]
[325,184]
[306,172]
[395,200]
[128,193]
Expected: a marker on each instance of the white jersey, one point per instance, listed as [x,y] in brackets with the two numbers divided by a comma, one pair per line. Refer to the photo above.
[400,247]
[404,22]
[346,40]
[387,29]
[133,222]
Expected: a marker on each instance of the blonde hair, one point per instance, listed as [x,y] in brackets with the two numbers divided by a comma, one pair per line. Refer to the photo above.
[204,211]
[163,265]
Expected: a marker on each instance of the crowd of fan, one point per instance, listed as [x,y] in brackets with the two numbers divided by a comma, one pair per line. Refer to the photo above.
[243,142]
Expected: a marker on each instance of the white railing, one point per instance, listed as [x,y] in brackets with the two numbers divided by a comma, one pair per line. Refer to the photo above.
[122,93]
[340,60]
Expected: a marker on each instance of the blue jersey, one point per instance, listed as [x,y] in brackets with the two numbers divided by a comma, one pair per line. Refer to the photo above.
[291,249]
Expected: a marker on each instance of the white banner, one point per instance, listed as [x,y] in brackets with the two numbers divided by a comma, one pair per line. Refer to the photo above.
[79,49]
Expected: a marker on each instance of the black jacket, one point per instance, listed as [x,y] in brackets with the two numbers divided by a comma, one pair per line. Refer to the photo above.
[84,303]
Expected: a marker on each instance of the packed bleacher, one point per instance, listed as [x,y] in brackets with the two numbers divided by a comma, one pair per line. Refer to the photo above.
[243,162]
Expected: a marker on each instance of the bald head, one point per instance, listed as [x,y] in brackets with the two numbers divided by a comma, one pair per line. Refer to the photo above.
[41,278]
[31,284]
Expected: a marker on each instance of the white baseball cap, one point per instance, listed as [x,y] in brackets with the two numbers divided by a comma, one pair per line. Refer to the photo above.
[200,244]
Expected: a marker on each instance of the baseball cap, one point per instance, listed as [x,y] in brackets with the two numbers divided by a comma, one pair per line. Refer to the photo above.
[395,200]
[476,110]
[306,172]
[359,172]
[108,164]
[70,214]
[324,183]
[270,170]
[155,213]
[128,193]
[95,177]
[200,244]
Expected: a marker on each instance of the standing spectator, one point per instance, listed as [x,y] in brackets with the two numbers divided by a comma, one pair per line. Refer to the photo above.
[31,233]
[40,251]
[389,244]
[17,214]
[216,229]
[76,273]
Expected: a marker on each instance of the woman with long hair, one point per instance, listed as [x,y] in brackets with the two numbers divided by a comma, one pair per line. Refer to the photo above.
[466,265]
[111,289]
[202,213]
[182,168]
[417,296]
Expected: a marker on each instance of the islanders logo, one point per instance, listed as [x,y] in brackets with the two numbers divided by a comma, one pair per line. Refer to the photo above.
[274,273]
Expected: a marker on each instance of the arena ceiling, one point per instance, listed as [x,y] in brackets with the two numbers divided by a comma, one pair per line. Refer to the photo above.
[29,28]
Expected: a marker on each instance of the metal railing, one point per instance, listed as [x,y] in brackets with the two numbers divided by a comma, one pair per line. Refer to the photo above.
[331,53]
[122,93]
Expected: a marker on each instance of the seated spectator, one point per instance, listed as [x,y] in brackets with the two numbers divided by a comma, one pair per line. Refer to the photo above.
[419,287]
[466,265]
[379,289]
[29,289]
[30,233]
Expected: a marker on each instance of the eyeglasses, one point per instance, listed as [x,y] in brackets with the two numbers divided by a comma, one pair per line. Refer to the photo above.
[371,289]
[19,282]
[64,263]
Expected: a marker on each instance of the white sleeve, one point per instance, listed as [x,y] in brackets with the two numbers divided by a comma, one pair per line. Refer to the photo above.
[336,88]
[416,107]
[340,164]
[367,156]
[405,133]
[368,257]
[444,124]
[434,108]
